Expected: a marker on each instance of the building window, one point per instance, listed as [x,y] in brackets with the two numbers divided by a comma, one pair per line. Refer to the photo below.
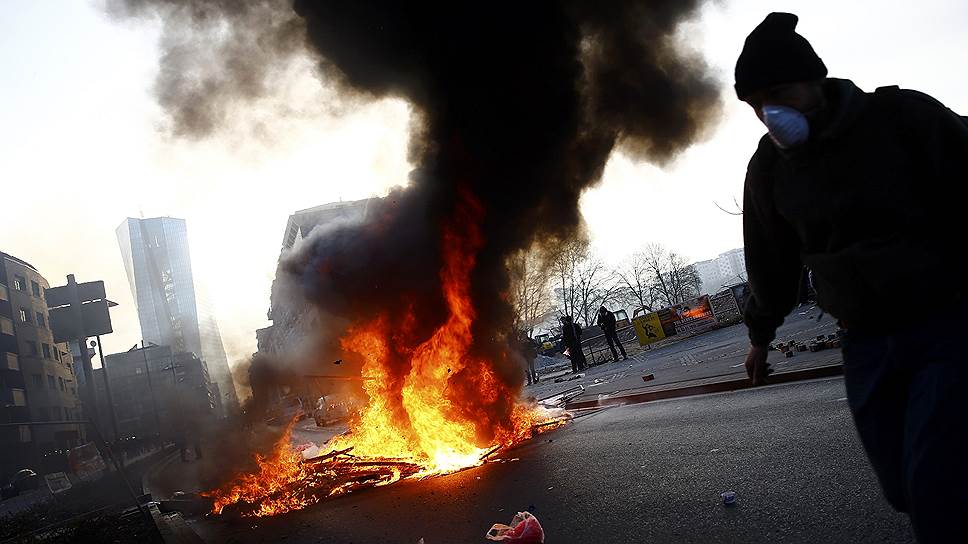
[47,353]
[25,316]
[11,361]
[32,348]
[35,288]
[19,283]
[50,382]
[60,383]
[19,398]
[41,320]
[57,356]
[4,295]
[6,326]
[38,380]
[24,431]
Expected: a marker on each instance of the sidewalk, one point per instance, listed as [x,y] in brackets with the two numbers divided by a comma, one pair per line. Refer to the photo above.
[170,474]
[714,357]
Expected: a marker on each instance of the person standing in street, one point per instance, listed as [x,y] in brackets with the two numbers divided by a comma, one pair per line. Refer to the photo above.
[867,191]
[529,349]
[606,320]
[571,335]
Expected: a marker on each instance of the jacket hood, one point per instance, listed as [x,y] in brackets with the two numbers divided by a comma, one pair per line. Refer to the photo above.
[846,101]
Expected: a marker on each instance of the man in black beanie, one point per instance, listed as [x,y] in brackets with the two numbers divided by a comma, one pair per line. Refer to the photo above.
[867,191]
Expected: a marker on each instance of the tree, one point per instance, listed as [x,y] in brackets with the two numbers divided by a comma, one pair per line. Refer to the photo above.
[581,281]
[636,284]
[530,295]
[565,262]
[659,277]
[684,280]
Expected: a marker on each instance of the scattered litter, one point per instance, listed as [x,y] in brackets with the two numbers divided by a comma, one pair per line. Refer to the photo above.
[714,450]
[421,541]
[648,377]
[515,459]
[478,477]
[550,488]
[603,396]
[598,380]
[308,450]
[729,497]
[524,529]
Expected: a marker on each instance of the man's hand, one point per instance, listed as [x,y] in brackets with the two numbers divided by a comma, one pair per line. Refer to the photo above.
[756,366]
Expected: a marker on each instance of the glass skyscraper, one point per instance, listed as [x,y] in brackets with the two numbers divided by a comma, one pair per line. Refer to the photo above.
[172,311]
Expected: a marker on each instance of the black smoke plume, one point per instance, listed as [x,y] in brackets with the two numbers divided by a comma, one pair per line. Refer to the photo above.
[518,105]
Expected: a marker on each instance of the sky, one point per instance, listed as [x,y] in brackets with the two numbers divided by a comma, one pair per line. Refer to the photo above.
[82,147]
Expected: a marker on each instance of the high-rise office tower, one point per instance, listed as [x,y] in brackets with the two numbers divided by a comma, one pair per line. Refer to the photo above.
[172,310]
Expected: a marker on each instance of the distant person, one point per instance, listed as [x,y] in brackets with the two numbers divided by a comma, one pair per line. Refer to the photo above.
[606,320]
[867,190]
[530,349]
[571,335]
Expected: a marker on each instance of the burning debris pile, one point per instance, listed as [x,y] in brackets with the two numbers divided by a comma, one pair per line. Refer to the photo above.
[516,108]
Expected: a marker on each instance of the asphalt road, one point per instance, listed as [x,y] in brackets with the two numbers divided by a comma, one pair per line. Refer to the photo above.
[716,355]
[639,473]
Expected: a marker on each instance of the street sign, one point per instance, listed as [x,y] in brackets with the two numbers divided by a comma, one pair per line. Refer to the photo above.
[86,292]
[95,320]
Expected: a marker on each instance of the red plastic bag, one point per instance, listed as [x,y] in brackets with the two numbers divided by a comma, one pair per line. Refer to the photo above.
[524,529]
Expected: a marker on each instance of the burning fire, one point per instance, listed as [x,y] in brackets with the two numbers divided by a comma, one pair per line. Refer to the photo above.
[416,428]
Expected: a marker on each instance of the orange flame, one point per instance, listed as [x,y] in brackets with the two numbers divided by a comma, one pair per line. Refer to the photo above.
[413,428]
[269,488]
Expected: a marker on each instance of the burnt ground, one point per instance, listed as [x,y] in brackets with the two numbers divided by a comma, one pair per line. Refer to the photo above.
[640,473]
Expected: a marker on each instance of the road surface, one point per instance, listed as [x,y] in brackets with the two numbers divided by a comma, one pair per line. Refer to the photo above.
[639,473]
[716,355]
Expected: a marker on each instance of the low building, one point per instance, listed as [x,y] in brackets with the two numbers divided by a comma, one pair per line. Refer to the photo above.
[37,376]
[155,393]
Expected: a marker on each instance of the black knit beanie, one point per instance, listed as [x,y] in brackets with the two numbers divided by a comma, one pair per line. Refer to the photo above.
[775,54]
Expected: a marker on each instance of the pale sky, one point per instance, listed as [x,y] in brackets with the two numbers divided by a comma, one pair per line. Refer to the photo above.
[81,148]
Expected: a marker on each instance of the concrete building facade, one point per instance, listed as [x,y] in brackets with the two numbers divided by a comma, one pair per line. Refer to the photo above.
[729,268]
[292,319]
[156,392]
[37,376]
[172,309]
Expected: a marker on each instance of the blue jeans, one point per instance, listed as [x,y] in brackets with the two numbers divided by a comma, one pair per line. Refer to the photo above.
[908,392]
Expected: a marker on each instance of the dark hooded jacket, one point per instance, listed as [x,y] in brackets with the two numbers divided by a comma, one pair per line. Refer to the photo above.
[606,320]
[873,204]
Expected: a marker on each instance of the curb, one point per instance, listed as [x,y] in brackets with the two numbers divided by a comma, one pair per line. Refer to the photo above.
[173,529]
[716,387]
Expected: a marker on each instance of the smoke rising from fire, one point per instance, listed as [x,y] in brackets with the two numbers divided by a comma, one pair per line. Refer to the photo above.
[518,105]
